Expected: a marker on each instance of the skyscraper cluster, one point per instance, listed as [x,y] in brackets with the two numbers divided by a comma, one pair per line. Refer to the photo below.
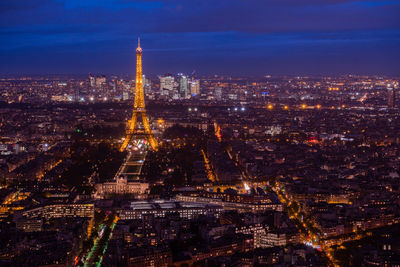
[179,87]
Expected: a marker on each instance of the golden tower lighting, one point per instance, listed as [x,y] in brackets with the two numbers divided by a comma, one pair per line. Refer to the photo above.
[139,109]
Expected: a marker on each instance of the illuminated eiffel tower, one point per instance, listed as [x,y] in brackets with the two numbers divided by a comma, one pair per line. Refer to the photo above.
[139,110]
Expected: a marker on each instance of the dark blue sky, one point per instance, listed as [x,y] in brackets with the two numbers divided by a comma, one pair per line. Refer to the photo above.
[238,37]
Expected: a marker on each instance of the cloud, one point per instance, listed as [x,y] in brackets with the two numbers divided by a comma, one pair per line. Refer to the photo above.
[218,29]
[206,15]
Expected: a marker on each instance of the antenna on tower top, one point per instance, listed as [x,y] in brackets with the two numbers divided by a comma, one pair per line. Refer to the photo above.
[138,40]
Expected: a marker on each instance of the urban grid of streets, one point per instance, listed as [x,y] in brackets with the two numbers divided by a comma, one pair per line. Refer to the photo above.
[131,167]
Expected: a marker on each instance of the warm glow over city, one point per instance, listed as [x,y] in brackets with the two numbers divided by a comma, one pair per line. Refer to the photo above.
[199,133]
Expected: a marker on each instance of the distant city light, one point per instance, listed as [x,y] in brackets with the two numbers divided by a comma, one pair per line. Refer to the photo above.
[246,187]
[188,182]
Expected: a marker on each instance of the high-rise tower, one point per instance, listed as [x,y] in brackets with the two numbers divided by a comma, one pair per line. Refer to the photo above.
[183,86]
[139,109]
[167,85]
[391,96]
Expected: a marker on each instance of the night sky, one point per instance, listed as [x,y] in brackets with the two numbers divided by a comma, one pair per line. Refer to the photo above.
[237,37]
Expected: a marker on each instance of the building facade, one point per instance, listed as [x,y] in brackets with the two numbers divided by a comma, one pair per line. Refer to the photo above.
[60,210]
[167,85]
[161,208]
[121,186]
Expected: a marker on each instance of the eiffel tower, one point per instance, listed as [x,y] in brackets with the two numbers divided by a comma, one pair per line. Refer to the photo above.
[139,110]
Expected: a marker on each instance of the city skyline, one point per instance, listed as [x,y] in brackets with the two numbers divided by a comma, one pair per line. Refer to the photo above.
[255,133]
[236,38]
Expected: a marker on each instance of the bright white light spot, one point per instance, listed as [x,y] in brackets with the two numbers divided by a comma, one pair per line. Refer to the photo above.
[246,187]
